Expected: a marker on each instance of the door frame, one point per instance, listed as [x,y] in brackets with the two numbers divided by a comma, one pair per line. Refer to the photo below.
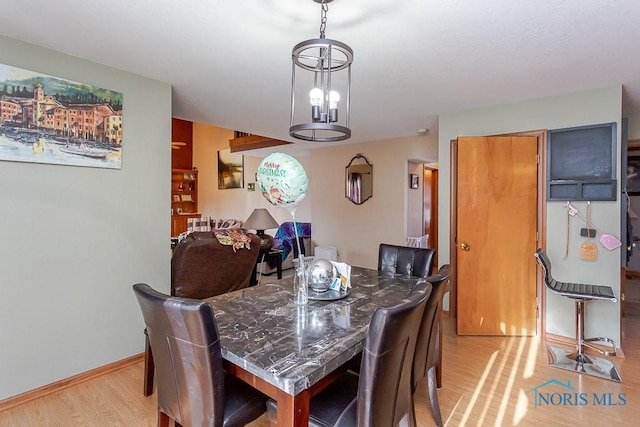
[541,225]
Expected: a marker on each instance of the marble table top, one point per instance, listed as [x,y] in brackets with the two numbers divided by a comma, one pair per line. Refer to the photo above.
[292,347]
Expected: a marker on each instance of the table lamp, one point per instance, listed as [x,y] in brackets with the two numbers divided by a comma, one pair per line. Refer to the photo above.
[260,220]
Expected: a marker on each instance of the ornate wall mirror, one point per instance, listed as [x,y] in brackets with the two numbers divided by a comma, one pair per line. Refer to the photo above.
[359,179]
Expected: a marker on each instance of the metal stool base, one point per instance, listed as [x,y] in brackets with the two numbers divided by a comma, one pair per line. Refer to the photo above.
[583,364]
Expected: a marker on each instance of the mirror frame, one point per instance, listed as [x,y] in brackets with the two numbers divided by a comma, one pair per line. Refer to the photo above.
[346,177]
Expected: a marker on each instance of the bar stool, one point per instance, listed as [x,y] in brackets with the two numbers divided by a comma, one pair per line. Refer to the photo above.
[580,292]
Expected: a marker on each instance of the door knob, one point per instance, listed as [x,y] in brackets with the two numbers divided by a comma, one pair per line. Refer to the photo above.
[464,246]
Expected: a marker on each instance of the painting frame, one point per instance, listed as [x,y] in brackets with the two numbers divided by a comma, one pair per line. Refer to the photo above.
[52,120]
[230,170]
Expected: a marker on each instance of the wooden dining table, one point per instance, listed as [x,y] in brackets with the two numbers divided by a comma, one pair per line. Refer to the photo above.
[290,352]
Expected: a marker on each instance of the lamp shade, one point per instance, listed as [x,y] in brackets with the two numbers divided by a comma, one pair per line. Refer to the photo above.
[260,219]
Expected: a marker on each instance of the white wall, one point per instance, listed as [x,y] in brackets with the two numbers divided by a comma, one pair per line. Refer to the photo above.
[357,230]
[576,109]
[76,239]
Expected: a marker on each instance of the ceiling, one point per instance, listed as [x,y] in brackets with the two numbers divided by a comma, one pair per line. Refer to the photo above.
[229,62]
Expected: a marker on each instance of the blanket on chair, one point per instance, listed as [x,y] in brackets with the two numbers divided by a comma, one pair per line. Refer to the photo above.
[235,237]
[286,235]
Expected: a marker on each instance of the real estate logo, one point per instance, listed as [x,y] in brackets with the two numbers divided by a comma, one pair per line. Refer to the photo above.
[557,393]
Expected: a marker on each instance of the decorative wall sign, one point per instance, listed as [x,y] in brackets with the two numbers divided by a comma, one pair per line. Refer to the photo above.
[414,181]
[46,119]
[230,170]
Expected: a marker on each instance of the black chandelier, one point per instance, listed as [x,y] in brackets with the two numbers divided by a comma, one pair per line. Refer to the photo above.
[329,65]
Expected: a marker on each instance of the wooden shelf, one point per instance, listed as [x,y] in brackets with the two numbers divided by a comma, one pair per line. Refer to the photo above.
[252,142]
[184,198]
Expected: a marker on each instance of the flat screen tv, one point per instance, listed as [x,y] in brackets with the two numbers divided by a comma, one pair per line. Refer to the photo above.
[581,163]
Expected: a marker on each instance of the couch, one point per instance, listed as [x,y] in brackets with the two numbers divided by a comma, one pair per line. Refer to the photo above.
[284,239]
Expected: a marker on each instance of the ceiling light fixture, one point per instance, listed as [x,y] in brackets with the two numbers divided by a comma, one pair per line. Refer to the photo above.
[327,61]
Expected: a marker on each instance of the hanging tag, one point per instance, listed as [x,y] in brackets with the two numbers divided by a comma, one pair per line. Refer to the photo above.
[589,252]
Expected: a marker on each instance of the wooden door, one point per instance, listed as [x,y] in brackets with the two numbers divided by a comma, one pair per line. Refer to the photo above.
[496,235]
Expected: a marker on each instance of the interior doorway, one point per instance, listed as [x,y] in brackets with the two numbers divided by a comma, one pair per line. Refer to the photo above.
[422,205]
[630,280]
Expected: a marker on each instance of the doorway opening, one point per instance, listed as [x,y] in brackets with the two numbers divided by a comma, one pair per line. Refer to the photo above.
[422,205]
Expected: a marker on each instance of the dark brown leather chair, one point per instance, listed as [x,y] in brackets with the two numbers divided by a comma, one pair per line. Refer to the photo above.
[381,394]
[428,346]
[193,388]
[404,260]
[202,267]
[416,262]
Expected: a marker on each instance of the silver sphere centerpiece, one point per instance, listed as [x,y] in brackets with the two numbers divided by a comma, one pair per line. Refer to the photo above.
[320,274]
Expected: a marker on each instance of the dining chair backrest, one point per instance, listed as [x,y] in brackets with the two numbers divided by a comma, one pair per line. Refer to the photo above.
[202,267]
[426,355]
[186,350]
[384,388]
[394,259]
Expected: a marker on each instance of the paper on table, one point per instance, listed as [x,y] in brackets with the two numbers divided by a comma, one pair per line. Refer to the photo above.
[343,276]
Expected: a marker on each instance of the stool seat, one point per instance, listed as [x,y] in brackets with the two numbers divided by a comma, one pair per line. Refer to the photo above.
[581,291]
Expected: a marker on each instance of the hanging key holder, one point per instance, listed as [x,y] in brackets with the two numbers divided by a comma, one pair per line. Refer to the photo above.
[609,241]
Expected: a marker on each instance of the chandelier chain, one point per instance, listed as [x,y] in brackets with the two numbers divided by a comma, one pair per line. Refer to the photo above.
[323,18]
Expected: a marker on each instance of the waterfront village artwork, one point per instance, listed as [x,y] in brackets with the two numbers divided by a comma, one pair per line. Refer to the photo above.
[46,119]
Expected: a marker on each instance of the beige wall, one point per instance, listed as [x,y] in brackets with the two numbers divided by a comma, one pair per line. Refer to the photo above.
[75,239]
[576,109]
[357,230]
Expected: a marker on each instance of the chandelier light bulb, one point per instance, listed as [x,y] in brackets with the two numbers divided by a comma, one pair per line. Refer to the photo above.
[315,97]
[334,98]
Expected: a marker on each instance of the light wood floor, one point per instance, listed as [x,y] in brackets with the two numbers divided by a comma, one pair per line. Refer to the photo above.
[488,381]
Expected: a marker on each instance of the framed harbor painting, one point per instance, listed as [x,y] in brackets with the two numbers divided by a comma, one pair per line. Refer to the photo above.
[230,170]
[47,119]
